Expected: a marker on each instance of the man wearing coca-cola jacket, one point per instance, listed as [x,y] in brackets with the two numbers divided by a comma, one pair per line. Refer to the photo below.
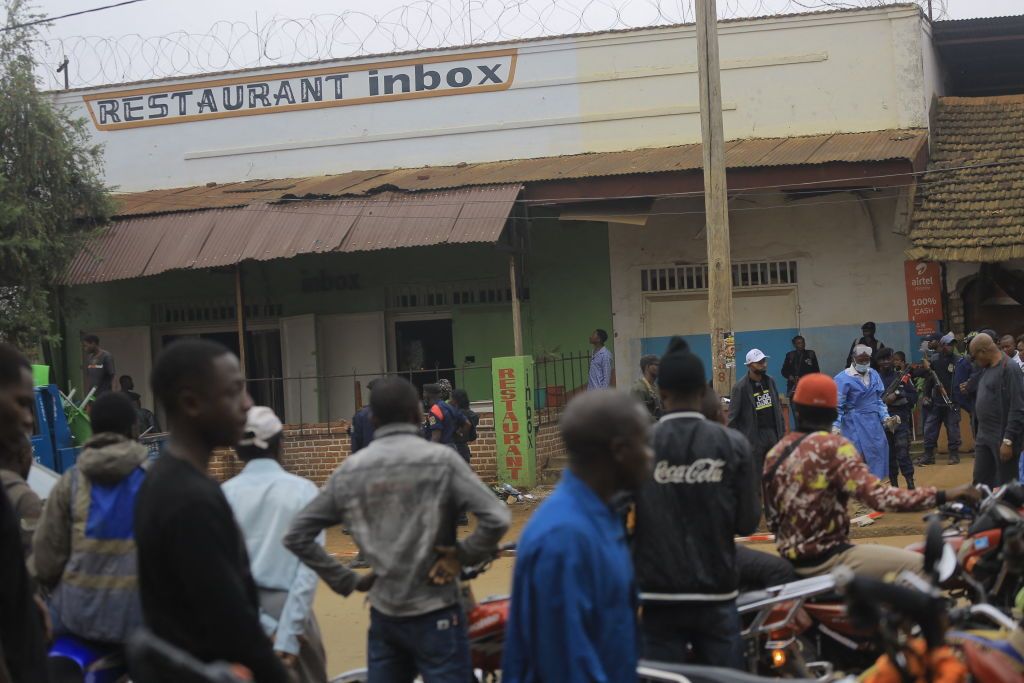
[704,491]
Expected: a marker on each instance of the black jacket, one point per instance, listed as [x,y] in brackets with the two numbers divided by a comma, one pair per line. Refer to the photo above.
[798,364]
[22,643]
[704,491]
[1011,387]
[196,587]
[743,417]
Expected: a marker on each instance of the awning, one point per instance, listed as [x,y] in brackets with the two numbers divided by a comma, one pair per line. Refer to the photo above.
[151,245]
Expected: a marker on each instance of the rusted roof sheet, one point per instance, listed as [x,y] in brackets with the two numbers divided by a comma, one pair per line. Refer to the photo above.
[142,246]
[120,251]
[970,205]
[876,146]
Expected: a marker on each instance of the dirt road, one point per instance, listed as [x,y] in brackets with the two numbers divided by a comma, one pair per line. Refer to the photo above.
[344,621]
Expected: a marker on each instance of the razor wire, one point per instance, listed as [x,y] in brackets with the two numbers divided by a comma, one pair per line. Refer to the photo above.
[419,25]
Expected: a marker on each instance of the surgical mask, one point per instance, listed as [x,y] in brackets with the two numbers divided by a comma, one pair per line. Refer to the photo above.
[861,367]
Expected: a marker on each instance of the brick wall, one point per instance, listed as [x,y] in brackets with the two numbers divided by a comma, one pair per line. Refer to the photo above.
[314,451]
[550,447]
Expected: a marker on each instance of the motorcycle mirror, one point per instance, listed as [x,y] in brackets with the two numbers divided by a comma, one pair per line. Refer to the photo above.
[933,546]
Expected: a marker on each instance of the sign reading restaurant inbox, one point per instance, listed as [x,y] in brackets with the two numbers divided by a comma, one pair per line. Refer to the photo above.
[924,293]
[512,379]
[335,86]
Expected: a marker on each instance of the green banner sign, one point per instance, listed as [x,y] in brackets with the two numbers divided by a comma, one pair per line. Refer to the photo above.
[513,420]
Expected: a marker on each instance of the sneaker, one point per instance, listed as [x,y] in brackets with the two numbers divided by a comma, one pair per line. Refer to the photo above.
[922,461]
[954,459]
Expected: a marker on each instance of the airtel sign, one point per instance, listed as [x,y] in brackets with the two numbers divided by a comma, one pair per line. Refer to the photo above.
[924,291]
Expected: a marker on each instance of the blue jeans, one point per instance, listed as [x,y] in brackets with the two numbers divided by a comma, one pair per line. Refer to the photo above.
[693,632]
[433,645]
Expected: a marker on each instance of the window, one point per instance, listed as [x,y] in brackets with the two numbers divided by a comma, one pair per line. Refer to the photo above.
[445,295]
[691,278]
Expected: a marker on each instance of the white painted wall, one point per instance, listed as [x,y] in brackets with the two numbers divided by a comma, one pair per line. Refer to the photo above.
[845,277]
[785,76]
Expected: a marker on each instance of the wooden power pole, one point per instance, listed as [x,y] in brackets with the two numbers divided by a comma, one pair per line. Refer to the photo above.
[716,209]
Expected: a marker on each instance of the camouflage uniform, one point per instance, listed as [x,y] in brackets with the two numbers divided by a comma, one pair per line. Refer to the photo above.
[810,492]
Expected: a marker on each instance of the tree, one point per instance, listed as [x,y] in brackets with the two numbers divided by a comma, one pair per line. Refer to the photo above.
[52,196]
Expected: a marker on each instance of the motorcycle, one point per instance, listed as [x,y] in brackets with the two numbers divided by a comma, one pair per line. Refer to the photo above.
[486,621]
[774,623]
[803,629]
[912,619]
[73,660]
[989,544]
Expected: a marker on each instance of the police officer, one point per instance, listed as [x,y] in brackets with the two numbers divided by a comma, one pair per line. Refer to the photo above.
[442,419]
[900,396]
[361,431]
[941,409]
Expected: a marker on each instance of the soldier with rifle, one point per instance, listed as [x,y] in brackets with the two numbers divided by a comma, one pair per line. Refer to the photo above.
[900,396]
[938,388]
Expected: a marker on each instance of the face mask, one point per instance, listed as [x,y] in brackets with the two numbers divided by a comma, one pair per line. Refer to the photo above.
[861,367]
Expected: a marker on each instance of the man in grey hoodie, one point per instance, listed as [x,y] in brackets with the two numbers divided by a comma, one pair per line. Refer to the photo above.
[84,547]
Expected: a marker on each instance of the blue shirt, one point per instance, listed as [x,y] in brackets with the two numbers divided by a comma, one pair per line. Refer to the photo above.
[573,611]
[600,369]
[265,499]
[361,433]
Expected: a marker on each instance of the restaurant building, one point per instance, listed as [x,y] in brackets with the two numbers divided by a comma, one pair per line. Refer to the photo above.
[370,215]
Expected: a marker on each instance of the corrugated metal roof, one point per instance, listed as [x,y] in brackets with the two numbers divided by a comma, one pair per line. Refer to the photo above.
[876,146]
[141,246]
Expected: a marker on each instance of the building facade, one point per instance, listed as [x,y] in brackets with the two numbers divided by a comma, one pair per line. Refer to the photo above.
[592,146]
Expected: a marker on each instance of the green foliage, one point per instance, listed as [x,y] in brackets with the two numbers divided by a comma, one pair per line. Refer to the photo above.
[52,196]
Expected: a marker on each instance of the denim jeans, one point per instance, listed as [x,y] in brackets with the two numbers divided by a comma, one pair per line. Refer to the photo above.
[710,629]
[433,645]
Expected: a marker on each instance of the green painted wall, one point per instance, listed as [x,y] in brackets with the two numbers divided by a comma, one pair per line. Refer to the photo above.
[570,285]
[567,272]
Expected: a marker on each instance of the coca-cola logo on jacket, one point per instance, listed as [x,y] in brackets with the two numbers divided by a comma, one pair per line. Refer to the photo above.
[702,471]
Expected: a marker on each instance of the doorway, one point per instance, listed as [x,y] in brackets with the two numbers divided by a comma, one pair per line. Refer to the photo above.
[263,358]
[424,350]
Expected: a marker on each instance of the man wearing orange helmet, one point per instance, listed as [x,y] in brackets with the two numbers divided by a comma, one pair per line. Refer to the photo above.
[809,478]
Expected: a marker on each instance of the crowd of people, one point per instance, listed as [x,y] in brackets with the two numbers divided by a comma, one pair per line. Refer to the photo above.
[879,391]
[228,573]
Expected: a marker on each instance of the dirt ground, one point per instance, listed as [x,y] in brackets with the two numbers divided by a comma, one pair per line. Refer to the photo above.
[343,621]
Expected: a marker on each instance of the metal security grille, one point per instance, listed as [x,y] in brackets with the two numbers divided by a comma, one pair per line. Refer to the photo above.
[453,294]
[210,311]
[694,278]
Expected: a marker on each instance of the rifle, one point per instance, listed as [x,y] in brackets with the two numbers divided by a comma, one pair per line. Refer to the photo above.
[891,389]
[942,389]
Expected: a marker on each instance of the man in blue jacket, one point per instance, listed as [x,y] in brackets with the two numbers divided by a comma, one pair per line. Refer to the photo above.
[573,612]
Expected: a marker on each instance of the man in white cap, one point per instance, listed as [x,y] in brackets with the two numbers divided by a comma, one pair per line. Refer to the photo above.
[937,394]
[265,500]
[754,408]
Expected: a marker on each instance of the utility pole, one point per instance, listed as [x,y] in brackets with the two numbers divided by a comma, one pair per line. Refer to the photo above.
[716,199]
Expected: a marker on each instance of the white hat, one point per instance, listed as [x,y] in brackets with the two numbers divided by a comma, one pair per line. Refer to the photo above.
[947,339]
[755,356]
[261,425]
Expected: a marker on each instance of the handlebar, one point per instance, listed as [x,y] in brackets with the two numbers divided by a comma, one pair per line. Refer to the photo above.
[473,571]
